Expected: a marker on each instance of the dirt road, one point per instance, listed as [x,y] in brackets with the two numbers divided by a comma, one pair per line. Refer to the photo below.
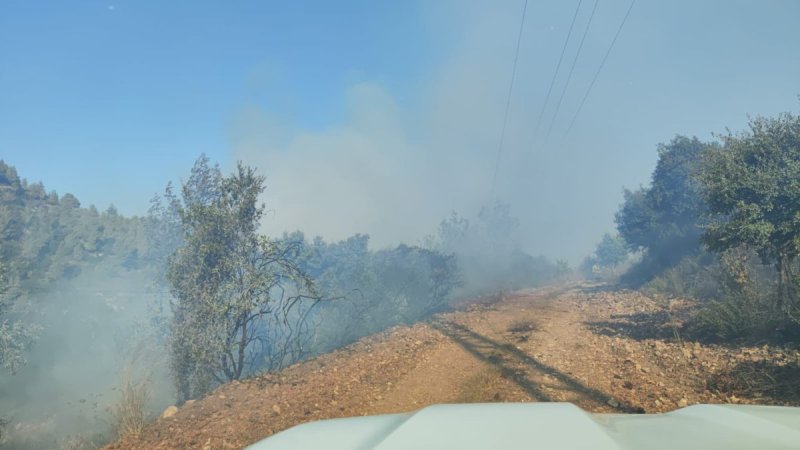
[603,350]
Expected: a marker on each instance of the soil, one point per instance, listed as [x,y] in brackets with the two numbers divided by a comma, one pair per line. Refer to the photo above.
[604,350]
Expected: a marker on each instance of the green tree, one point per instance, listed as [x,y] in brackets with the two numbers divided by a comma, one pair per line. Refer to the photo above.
[374,290]
[666,219]
[608,254]
[15,337]
[752,188]
[232,287]
[611,251]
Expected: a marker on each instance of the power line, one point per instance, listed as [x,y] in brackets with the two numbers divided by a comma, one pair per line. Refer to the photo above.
[571,69]
[508,99]
[596,74]
[558,67]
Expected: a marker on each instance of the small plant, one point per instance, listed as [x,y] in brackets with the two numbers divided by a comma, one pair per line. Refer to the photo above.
[735,317]
[130,412]
[3,424]
[79,442]
[743,306]
[522,326]
[483,387]
[129,415]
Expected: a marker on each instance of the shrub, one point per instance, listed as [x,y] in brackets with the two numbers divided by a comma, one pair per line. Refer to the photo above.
[130,412]
[741,301]
[691,277]
[739,315]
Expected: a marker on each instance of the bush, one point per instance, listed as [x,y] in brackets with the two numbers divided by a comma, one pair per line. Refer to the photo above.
[738,316]
[16,337]
[80,442]
[691,277]
[130,412]
[741,299]
[373,290]
[239,301]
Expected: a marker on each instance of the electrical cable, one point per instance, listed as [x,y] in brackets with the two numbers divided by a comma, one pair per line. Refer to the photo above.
[558,67]
[602,63]
[508,100]
[571,70]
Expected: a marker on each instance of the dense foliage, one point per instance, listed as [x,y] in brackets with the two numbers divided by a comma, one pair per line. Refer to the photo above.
[721,222]
[370,291]
[752,187]
[609,254]
[665,219]
[242,302]
[75,286]
[232,288]
[46,239]
[15,336]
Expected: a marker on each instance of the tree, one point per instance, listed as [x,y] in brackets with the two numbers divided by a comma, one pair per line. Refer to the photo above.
[232,287]
[611,251]
[752,188]
[489,251]
[608,254]
[666,218]
[15,337]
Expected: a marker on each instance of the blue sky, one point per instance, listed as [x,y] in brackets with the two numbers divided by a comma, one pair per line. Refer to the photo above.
[380,117]
[112,99]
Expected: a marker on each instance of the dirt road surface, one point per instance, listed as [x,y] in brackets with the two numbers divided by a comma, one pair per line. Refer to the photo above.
[604,350]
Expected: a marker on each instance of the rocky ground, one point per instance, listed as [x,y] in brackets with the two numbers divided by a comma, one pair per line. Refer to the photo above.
[604,350]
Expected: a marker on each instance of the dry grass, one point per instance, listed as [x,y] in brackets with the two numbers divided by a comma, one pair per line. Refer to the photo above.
[130,413]
[522,326]
[483,387]
[78,442]
[3,424]
[766,380]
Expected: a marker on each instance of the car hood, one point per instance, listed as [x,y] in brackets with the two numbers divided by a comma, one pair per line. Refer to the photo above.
[549,426]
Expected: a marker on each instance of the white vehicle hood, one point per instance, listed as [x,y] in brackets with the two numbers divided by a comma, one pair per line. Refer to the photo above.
[513,426]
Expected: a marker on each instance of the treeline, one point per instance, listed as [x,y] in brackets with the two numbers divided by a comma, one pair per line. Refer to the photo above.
[490,254]
[720,222]
[195,242]
[205,288]
[46,238]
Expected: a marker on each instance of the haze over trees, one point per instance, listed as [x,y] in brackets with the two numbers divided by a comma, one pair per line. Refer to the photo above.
[609,254]
[490,253]
[218,300]
[204,296]
[75,293]
[15,336]
[243,303]
[44,239]
[664,221]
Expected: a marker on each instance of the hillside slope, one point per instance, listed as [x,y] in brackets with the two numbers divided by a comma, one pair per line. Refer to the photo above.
[605,351]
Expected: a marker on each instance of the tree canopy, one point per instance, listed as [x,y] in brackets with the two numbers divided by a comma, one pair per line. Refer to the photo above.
[232,287]
[665,219]
[15,336]
[752,189]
